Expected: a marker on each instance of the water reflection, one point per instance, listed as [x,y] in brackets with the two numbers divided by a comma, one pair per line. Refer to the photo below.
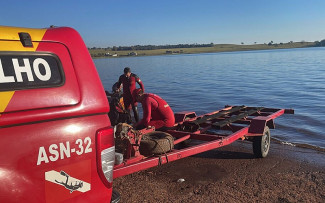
[291,78]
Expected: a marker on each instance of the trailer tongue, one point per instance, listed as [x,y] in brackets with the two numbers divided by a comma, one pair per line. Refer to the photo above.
[211,131]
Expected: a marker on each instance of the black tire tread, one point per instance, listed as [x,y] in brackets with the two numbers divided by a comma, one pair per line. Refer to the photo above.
[258,144]
[115,197]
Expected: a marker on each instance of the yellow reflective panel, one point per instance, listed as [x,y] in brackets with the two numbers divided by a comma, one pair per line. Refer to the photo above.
[5,98]
[7,34]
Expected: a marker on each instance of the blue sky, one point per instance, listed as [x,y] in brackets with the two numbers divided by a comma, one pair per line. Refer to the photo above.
[142,22]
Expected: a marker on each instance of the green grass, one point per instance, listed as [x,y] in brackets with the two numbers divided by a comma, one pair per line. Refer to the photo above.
[216,48]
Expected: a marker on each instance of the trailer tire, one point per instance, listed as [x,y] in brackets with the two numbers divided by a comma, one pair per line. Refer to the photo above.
[156,143]
[261,144]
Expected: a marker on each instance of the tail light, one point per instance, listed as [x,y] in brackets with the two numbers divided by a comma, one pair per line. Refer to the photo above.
[105,155]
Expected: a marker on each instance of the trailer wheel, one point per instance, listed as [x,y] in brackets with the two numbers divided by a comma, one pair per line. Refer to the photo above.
[156,143]
[261,144]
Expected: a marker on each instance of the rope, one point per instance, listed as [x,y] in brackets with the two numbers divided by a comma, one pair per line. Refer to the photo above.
[170,146]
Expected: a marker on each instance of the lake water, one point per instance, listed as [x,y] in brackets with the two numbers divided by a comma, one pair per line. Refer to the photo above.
[287,78]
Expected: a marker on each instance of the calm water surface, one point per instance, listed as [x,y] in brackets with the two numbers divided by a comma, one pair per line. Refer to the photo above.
[291,78]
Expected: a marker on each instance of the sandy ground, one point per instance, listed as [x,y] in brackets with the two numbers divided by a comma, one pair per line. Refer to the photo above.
[232,174]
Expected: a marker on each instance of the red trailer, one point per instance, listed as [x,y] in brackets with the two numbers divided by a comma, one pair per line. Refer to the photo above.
[207,132]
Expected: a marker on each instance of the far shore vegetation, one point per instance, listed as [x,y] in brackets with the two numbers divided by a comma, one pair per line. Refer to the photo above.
[150,50]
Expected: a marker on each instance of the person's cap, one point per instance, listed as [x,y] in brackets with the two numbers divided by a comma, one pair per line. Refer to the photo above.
[127,70]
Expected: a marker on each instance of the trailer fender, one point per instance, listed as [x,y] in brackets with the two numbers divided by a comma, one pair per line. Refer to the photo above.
[259,123]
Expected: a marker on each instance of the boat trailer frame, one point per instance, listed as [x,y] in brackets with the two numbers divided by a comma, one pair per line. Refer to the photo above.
[213,130]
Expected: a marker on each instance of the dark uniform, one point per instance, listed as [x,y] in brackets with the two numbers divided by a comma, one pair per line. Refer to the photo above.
[129,85]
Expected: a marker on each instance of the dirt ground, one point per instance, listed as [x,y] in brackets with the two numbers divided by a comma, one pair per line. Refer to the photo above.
[232,174]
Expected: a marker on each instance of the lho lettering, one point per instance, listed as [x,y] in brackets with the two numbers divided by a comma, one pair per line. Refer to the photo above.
[39,69]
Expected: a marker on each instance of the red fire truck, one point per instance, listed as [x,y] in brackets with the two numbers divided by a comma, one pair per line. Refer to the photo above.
[56,141]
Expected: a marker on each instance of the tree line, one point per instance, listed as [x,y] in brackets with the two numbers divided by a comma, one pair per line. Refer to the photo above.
[153,47]
[320,43]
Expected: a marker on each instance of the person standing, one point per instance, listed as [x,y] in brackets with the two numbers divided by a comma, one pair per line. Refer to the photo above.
[128,80]
[156,111]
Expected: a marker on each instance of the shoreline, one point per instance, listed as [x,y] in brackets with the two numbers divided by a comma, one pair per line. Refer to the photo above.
[109,53]
[232,174]
[299,145]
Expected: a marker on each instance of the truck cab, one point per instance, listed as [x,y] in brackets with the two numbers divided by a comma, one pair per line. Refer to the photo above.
[56,139]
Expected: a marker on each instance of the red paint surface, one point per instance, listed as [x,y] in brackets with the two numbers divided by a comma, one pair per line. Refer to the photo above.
[42,117]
